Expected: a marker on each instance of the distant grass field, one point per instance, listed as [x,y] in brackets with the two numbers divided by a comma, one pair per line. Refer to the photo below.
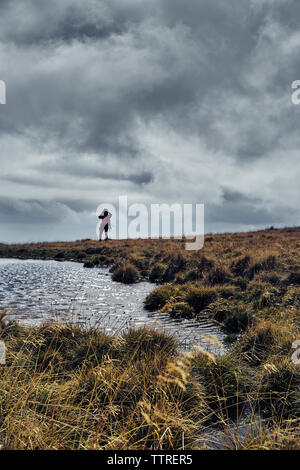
[83,389]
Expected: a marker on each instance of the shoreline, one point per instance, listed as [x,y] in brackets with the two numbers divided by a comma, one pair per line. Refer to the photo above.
[98,300]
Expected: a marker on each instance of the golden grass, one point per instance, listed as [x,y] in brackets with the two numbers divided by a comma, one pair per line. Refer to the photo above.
[64,387]
[68,388]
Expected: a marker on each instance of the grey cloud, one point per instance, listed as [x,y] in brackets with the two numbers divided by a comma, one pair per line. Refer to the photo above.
[190,65]
[121,80]
[51,181]
[240,209]
[17,211]
[237,197]
[78,205]
[242,214]
[196,54]
[96,169]
[57,20]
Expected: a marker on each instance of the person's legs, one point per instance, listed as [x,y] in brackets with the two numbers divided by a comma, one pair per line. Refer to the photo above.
[106,231]
[100,232]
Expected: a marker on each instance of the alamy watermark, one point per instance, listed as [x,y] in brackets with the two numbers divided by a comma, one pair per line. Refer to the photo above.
[295,97]
[2,353]
[2,92]
[156,221]
[296,354]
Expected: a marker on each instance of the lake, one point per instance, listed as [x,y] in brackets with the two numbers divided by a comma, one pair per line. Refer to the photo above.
[36,291]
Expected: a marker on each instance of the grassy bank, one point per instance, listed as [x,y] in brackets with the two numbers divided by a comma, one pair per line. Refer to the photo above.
[236,279]
[64,387]
[83,389]
[68,388]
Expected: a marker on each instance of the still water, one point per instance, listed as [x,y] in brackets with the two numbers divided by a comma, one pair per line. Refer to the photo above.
[36,291]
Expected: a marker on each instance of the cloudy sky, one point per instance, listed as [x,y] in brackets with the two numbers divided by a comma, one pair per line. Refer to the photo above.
[161,100]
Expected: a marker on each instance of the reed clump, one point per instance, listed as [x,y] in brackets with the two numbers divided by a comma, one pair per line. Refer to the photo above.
[127,274]
[65,387]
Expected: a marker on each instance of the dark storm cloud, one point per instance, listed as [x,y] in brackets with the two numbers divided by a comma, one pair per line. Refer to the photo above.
[80,172]
[239,209]
[78,205]
[193,50]
[136,93]
[197,53]
[17,211]
[236,196]
[56,20]
[87,168]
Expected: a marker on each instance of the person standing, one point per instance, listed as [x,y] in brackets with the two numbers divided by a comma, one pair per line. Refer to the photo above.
[105,225]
